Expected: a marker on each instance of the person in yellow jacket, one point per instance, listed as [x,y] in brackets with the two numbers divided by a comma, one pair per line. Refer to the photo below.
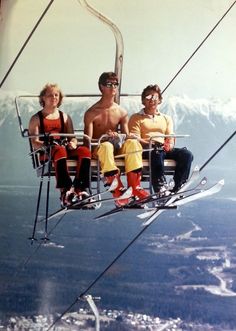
[151,123]
[106,117]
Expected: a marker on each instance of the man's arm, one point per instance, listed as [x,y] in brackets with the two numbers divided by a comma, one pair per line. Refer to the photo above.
[88,126]
[124,122]
[169,143]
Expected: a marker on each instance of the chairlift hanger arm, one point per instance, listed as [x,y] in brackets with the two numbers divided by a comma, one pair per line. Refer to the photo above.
[118,38]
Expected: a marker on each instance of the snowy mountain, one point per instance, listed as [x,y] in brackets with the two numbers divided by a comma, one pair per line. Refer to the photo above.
[208,122]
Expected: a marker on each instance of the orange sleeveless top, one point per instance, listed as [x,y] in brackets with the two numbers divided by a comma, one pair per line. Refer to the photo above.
[51,125]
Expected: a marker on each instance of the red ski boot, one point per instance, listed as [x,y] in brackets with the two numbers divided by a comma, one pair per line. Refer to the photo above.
[134,179]
[118,191]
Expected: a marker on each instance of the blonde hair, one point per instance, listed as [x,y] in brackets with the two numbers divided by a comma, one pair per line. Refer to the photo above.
[44,90]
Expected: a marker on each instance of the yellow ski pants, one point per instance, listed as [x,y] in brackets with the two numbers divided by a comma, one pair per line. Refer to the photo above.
[133,155]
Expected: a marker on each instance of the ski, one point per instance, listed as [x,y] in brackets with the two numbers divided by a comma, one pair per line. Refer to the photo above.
[194,175]
[126,195]
[141,204]
[137,203]
[202,194]
[184,200]
[161,200]
[164,198]
[86,202]
[79,204]
[128,207]
[175,196]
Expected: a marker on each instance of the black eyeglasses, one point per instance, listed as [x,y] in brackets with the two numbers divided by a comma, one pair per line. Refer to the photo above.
[110,84]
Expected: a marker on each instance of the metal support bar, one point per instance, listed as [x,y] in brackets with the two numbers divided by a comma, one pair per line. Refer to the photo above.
[92,305]
[118,38]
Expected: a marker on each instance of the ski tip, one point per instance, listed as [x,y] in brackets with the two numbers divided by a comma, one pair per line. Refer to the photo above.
[222,182]
[146,214]
[148,221]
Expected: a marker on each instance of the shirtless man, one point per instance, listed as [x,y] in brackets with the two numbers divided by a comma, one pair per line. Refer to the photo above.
[106,117]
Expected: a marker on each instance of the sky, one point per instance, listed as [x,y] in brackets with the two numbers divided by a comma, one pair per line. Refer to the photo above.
[72,48]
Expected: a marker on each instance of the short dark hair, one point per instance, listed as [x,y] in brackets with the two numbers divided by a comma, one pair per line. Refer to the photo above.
[154,88]
[107,75]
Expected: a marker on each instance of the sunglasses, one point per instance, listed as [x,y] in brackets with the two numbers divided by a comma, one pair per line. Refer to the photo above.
[152,97]
[110,85]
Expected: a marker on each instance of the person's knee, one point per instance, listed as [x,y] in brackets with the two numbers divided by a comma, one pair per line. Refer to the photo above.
[189,155]
[132,145]
[157,156]
[84,152]
[186,155]
[59,152]
[106,145]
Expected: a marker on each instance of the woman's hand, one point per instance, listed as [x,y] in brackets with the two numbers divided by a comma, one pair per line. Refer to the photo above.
[72,144]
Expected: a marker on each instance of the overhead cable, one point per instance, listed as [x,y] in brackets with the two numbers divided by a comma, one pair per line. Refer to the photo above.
[25,43]
[197,49]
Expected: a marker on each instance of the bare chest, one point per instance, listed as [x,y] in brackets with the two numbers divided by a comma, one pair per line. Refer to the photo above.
[105,121]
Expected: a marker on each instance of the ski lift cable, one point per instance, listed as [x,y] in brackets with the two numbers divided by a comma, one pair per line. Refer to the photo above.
[145,228]
[217,151]
[199,46]
[26,42]
[99,276]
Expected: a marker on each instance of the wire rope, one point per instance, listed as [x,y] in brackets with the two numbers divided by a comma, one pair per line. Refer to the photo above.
[26,42]
[199,46]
